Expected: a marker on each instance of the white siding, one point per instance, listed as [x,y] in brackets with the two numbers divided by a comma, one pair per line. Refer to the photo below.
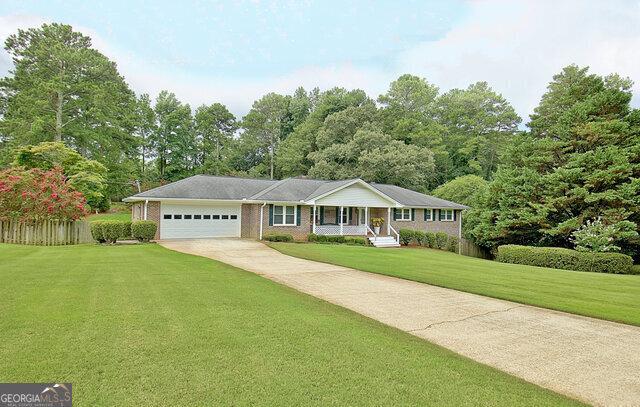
[196,228]
[355,195]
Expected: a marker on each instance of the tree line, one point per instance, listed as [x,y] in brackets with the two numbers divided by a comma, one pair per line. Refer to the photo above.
[577,160]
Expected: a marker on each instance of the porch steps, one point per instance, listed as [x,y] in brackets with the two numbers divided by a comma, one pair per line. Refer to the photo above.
[384,241]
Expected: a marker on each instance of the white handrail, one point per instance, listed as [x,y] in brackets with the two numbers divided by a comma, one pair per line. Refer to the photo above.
[397,234]
[372,232]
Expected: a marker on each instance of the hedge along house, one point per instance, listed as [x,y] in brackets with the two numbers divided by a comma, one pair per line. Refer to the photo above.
[211,206]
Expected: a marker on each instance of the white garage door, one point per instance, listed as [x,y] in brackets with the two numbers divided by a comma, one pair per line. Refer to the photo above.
[191,221]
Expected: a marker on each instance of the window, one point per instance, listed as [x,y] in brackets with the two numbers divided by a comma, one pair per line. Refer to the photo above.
[233,217]
[224,217]
[166,217]
[177,216]
[206,216]
[197,216]
[428,214]
[216,216]
[187,216]
[284,215]
[446,215]
[404,214]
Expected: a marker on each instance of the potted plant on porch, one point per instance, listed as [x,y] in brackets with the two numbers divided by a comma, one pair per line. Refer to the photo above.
[377,222]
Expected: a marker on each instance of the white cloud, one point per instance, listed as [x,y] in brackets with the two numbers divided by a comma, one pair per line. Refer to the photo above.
[515,46]
[518,46]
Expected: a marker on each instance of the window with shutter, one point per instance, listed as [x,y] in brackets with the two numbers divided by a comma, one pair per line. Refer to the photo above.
[428,214]
[284,215]
[403,214]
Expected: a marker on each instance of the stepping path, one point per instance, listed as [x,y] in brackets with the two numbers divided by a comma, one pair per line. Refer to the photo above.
[589,359]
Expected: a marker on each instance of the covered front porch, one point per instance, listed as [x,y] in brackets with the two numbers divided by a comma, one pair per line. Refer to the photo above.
[332,220]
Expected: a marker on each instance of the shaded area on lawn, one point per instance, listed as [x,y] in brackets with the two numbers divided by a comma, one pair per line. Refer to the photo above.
[605,296]
[141,325]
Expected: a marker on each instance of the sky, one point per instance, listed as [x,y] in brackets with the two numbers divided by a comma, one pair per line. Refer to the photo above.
[234,52]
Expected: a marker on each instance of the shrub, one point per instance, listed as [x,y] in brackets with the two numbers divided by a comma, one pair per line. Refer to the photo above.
[336,239]
[420,237]
[32,195]
[352,240]
[96,231]
[355,240]
[441,240]
[143,230]
[430,240]
[110,230]
[452,244]
[125,230]
[555,257]
[406,236]
[84,175]
[596,236]
[278,238]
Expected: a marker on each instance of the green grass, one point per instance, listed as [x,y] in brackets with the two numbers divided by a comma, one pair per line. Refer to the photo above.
[110,216]
[142,325]
[606,296]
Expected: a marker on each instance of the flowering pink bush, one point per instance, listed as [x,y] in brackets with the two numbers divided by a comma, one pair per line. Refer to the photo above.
[35,194]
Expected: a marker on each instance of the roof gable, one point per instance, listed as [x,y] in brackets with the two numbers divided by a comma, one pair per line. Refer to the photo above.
[355,194]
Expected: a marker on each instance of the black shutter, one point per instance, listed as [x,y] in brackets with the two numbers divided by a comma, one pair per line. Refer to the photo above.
[337,215]
[413,214]
[270,214]
[350,215]
[454,215]
[322,215]
[298,214]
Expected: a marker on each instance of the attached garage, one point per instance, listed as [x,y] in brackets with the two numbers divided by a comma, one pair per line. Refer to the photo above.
[181,220]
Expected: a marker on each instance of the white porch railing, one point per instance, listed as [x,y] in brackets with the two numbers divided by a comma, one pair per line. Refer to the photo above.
[375,237]
[347,230]
[396,233]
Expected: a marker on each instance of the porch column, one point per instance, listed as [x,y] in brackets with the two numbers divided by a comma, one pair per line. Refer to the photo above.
[314,219]
[366,220]
[340,221]
[388,220]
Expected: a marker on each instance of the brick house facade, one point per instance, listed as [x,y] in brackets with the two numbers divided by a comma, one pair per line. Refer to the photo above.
[211,206]
[153,213]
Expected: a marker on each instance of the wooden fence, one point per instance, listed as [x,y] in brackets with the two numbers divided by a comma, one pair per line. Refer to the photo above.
[471,249]
[45,233]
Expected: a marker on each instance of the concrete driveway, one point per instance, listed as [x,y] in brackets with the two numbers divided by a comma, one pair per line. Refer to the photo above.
[588,359]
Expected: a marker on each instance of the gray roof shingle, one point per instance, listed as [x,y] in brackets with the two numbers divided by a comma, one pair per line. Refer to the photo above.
[286,190]
[209,187]
[408,197]
[290,189]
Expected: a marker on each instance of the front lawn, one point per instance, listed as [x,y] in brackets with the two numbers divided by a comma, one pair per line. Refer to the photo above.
[142,325]
[126,216]
[605,296]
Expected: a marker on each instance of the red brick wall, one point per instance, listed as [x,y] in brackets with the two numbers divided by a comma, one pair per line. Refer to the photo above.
[250,220]
[153,213]
[450,228]
[298,232]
